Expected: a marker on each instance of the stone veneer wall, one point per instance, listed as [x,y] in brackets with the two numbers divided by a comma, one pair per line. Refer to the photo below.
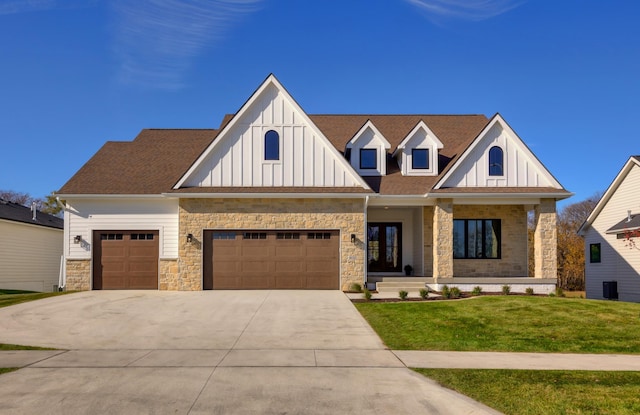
[443,239]
[513,262]
[78,275]
[428,240]
[545,239]
[346,215]
[169,275]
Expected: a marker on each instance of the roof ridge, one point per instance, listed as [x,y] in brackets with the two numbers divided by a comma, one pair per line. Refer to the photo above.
[180,129]
[399,115]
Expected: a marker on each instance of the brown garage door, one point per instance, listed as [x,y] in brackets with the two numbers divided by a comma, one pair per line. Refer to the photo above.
[125,260]
[271,260]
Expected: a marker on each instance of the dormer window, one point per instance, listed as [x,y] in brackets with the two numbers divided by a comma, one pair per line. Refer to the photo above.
[420,158]
[496,161]
[368,158]
[272,145]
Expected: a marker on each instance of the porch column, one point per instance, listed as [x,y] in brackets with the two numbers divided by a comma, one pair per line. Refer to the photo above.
[545,240]
[443,239]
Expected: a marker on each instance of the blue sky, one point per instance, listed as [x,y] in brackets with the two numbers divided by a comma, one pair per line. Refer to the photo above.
[76,73]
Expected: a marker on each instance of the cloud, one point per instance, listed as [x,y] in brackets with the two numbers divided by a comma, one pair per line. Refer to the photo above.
[475,10]
[27,6]
[155,41]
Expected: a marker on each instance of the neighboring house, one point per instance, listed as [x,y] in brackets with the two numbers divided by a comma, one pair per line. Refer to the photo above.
[278,198]
[30,248]
[612,268]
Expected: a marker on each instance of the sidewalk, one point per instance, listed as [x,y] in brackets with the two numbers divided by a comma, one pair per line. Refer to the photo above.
[330,358]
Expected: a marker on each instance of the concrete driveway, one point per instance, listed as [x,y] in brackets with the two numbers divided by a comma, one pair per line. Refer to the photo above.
[268,352]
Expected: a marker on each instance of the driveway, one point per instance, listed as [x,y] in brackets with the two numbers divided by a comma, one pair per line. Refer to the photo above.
[270,352]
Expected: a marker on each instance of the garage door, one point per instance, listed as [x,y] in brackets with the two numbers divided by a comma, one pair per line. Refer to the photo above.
[125,260]
[271,260]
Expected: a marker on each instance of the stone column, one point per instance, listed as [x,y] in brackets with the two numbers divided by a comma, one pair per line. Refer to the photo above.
[545,240]
[443,239]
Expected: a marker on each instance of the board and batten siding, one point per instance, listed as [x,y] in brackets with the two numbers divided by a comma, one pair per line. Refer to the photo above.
[86,215]
[29,256]
[618,262]
[521,169]
[306,160]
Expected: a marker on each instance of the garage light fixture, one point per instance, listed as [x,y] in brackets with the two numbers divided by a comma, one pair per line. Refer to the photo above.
[77,239]
[353,238]
[189,238]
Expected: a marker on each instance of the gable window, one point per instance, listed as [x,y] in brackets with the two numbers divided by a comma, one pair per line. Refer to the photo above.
[271,145]
[368,158]
[476,238]
[594,253]
[420,158]
[496,161]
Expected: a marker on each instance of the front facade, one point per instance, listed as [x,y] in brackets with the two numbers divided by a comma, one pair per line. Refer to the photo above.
[280,199]
[30,248]
[612,239]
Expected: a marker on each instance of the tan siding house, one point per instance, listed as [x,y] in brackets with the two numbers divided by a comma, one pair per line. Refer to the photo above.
[280,199]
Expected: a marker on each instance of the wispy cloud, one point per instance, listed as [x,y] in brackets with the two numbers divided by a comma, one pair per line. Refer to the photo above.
[475,10]
[155,41]
[27,6]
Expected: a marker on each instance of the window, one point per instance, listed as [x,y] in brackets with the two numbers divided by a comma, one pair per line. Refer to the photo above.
[368,158]
[420,158]
[141,236]
[254,235]
[319,235]
[111,236]
[496,162]
[271,145]
[594,253]
[384,247]
[224,235]
[476,238]
[287,235]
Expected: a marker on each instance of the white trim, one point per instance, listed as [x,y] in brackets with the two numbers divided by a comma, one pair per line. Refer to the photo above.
[361,131]
[420,125]
[271,80]
[263,195]
[108,196]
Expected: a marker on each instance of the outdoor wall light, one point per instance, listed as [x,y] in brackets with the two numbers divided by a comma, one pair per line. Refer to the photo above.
[353,238]
[77,239]
[189,238]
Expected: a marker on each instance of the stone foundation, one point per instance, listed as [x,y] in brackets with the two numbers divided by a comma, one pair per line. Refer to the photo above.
[78,275]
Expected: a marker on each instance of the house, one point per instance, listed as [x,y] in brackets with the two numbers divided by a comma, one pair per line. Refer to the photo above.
[612,239]
[30,248]
[278,198]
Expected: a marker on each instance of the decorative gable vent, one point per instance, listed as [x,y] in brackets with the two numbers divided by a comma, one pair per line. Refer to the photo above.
[368,151]
[418,152]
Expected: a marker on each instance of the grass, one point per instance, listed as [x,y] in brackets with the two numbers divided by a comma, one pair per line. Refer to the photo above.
[509,324]
[7,369]
[6,346]
[11,297]
[527,392]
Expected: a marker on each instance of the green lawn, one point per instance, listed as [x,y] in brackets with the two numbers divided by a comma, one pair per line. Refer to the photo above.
[528,392]
[11,297]
[509,324]
[7,369]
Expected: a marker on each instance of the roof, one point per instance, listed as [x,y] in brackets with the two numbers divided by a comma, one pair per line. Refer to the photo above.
[633,161]
[629,223]
[18,213]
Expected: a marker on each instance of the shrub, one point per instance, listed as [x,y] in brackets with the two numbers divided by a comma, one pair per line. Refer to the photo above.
[477,290]
[529,291]
[455,292]
[506,289]
[559,292]
[424,293]
[355,287]
[366,294]
[446,293]
[403,294]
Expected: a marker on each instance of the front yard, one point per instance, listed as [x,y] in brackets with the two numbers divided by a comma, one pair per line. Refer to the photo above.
[521,324]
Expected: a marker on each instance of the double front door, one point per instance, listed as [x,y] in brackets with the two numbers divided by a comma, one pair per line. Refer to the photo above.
[384,247]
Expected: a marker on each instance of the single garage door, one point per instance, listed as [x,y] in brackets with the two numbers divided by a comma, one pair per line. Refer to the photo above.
[284,259]
[125,260]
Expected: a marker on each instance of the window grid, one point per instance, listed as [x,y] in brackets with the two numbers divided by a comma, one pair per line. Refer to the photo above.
[477,239]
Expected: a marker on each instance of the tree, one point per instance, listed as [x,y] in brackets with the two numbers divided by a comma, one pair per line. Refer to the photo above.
[49,205]
[52,205]
[571,245]
[19,198]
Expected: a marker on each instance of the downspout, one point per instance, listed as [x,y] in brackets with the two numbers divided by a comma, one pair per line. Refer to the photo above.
[366,206]
[62,277]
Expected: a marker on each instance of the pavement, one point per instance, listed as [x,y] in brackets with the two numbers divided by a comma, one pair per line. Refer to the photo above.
[150,352]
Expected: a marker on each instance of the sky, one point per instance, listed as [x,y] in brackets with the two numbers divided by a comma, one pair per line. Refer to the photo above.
[77,73]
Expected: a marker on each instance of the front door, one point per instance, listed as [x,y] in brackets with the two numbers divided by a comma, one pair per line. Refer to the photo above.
[384,247]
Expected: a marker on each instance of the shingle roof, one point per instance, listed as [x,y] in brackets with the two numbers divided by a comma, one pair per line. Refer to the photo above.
[18,213]
[626,224]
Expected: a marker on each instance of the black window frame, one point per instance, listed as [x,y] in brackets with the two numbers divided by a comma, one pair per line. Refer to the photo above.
[496,224]
[496,152]
[595,253]
[271,146]
[375,151]
[413,159]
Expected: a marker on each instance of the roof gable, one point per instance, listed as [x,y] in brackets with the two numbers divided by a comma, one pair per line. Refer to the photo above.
[521,168]
[237,157]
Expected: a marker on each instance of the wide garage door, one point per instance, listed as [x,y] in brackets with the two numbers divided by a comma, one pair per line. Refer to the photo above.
[271,260]
[125,260]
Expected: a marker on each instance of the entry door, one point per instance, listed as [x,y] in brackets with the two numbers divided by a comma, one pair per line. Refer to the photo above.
[384,247]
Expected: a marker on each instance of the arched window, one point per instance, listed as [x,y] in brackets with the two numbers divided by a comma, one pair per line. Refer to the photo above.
[496,161]
[271,145]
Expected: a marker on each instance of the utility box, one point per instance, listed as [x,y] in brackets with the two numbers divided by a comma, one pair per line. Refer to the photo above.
[610,290]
